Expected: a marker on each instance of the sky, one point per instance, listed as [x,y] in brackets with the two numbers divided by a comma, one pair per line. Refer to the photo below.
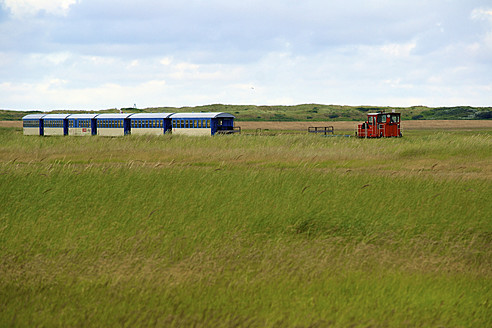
[98,54]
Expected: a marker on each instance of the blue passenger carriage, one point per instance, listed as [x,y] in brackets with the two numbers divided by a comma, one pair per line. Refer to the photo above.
[150,123]
[33,124]
[202,124]
[113,125]
[82,125]
[55,124]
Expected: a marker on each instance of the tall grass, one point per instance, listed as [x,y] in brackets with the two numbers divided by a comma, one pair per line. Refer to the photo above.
[245,231]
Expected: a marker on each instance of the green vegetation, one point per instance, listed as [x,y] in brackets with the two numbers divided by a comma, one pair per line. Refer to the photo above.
[257,231]
[309,112]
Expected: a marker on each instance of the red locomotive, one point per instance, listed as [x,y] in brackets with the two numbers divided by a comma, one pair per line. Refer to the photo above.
[380,125]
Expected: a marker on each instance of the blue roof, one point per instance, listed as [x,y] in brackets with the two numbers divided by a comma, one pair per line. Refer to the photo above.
[33,116]
[55,116]
[150,115]
[82,116]
[202,115]
[114,115]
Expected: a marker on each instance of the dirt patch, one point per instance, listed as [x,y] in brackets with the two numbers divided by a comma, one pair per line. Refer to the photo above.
[344,125]
[10,124]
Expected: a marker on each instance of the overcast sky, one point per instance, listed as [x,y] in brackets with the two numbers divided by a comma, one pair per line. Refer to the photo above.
[95,54]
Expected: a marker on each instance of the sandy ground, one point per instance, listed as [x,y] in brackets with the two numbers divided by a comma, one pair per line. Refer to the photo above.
[410,125]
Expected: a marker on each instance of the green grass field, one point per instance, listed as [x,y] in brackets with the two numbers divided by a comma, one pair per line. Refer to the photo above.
[245,230]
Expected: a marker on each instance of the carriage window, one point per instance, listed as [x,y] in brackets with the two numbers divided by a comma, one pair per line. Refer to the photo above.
[208,123]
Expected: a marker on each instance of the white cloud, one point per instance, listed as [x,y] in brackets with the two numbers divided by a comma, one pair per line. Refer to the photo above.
[114,53]
[27,8]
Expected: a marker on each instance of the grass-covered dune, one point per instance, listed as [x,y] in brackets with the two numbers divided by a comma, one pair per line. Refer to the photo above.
[304,112]
[257,231]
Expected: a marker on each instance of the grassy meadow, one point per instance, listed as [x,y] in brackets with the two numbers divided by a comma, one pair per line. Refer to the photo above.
[258,231]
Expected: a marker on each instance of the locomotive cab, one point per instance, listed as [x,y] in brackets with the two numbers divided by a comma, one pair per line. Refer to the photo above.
[380,125]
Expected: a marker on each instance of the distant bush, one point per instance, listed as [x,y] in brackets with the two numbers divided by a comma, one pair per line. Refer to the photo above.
[333,115]
[417,117]
[485,115]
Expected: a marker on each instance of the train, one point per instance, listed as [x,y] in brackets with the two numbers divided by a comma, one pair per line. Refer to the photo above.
[121,124]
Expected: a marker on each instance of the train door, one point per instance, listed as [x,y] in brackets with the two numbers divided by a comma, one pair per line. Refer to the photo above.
[93,126]
[126,126]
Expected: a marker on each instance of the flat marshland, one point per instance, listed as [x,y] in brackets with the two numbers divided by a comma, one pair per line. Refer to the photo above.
[258,231]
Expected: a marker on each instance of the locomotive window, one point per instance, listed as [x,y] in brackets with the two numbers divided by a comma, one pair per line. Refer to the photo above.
[208,123]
